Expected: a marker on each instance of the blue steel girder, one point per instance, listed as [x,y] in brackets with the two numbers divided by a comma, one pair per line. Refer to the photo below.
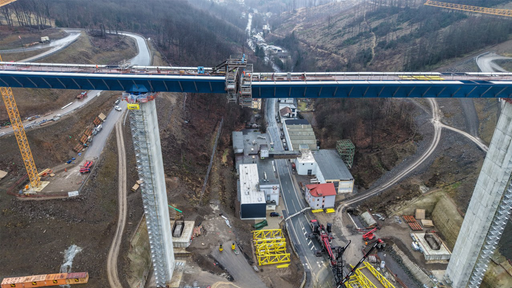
[116,82]
[491,87]
[376,89]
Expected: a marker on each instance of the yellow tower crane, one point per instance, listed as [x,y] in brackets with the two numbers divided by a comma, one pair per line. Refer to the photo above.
[469,8]
[19,130]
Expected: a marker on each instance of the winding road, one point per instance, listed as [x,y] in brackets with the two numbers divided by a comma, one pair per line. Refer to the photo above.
[113,253]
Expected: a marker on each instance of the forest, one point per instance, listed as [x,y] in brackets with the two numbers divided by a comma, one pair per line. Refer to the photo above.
[185,34]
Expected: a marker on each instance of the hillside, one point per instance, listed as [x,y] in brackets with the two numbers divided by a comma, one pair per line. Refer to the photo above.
[185,34]
[383,35]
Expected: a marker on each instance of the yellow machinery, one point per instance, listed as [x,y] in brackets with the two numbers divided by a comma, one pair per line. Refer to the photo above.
[21,137]
[469,8]
[359,279]
[19,130]
[270,246]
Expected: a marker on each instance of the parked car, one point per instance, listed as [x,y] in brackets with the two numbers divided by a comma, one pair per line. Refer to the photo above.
[117,102]
[118,108]
[274,214]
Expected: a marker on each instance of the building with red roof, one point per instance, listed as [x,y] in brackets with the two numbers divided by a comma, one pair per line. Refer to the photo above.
[321,196]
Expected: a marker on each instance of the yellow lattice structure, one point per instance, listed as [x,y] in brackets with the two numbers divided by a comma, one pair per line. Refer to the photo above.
[269,259]
[469,8]
[270,246]
[385,282]
[5,2]
[265,248]
[21,137]
[266,234]
[359,280]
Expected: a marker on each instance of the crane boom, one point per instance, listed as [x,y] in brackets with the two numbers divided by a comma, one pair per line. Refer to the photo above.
[5,2]
[469,8]
[21,137]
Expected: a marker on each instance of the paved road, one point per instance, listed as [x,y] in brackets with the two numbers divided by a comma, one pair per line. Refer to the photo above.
[113,253]
[142,58]
[57,44]
[298,226]
[486,64]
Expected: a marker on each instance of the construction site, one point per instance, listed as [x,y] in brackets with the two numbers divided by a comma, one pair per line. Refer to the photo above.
[253,200]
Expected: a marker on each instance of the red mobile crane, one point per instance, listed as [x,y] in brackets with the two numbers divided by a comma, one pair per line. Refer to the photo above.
[324,237]
[369,235]
[335,254]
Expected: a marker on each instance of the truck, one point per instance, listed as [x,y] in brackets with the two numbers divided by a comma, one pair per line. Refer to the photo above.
[45,39]
[86,168]
[81,95]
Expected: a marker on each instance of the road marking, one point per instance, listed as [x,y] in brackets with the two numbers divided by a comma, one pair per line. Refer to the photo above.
[309,243]
[312,247]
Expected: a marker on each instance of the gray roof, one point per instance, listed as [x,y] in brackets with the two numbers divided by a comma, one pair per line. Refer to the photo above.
[297,122]
[264,167]
[238,141]
[252,141]
[331,165]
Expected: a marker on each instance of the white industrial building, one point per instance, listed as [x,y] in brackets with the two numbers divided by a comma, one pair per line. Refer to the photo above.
[252,148]
[327,166]
[320,196]
[305,164]
[252,200]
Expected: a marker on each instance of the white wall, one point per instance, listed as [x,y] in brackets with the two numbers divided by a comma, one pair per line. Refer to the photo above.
[269,191]
[303,167]
[316,202]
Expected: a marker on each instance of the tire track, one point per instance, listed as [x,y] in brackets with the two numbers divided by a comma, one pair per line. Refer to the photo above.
[113,254]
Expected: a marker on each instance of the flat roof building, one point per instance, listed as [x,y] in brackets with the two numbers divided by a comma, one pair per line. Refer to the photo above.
[297,132]
[333,170]
[252,200]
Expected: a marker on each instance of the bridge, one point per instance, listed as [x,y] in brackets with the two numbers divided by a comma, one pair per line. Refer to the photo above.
[236,78]
[262,85]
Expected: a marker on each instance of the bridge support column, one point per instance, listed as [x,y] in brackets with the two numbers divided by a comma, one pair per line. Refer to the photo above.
[148,153]
[488,210]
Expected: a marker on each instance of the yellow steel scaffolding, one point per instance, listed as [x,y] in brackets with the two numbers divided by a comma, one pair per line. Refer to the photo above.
[359,280]
[268,233]
[270,247]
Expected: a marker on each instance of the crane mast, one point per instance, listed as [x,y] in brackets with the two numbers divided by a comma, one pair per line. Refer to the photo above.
[21,137]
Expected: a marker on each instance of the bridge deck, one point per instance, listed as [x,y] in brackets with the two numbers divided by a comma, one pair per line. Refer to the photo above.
[264,85]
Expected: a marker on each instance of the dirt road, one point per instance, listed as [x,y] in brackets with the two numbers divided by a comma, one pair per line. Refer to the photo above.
[113,254]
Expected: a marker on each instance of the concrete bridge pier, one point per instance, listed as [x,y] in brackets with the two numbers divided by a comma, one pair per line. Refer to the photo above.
[488,210]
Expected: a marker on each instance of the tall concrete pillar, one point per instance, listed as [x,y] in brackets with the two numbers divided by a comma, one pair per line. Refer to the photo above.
[148,152]
[487,212]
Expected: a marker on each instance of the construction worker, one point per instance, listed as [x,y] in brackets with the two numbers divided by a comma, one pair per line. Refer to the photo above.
[220,248]
[233,247]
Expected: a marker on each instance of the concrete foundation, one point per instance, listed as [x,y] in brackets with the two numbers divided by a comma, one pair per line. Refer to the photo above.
[482,209]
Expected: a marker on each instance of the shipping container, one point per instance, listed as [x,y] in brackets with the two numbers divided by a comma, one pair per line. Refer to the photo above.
[56,279]
[77,278]
[16,282]
[36,281]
